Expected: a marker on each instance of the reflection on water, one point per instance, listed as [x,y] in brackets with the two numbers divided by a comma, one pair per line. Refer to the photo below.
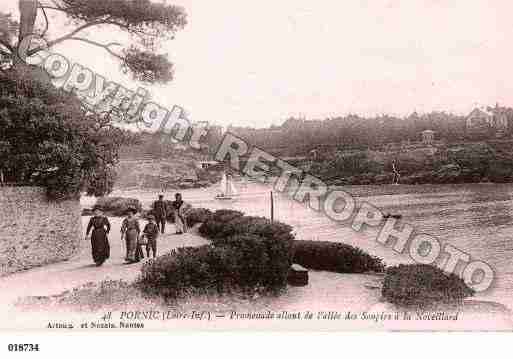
[476,218]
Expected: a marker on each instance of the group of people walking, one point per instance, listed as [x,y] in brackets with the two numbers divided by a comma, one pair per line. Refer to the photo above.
[131,233]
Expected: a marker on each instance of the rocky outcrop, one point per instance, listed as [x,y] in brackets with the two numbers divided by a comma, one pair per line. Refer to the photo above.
[150,174]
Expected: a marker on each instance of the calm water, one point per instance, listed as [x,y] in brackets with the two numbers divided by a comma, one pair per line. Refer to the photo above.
[476,218]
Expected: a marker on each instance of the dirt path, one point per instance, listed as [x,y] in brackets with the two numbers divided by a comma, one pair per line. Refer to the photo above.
[59,277]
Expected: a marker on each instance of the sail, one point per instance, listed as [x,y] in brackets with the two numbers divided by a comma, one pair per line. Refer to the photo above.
[231,189]
[227,189]
[223,184]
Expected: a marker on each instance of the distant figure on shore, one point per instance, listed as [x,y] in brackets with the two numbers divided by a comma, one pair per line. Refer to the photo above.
[100,248]
[151,233]
[160,212]
[130,231]
[396,174]
[179,214]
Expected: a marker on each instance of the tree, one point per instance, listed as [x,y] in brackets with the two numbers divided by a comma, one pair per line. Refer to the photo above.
[147,23]
[48,139]
[47,136]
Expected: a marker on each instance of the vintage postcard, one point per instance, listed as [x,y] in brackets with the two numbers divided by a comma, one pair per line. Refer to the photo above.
[238,165]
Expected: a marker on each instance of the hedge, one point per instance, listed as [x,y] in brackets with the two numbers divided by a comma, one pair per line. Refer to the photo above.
[181,270]
[420,285]
[225,223]
[216,225]
[335,257]
[252,254]
[198,215]
[117,206]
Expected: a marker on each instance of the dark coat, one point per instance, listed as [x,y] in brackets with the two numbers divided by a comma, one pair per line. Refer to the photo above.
[160,209]
[99,241]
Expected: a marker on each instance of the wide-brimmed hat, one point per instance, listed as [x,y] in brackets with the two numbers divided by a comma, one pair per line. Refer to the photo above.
[132,209]
[151,216]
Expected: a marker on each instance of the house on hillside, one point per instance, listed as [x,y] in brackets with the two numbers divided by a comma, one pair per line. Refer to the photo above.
[481,121]
[501,124]
[500,120]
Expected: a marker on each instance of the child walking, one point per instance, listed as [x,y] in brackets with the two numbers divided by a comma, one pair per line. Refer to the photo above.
[151,232]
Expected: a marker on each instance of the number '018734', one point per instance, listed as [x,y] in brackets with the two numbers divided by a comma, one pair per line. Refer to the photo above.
[23,347]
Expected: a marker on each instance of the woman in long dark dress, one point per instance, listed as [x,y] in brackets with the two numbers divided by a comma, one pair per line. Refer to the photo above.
[99,240]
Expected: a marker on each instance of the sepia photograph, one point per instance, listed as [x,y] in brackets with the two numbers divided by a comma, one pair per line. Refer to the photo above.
[301,166]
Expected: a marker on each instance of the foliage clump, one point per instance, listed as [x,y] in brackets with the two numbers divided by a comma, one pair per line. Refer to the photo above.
[420,285]
[335,257]
[49,140]
[254,256]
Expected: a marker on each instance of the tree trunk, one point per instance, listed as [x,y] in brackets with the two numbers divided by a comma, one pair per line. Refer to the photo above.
[28,14]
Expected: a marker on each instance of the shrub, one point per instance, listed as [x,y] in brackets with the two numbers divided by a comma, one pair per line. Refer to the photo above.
[225,223]
[260,262]
[198,215]
[335,257]
[217,224]
[420,285]
[278,238]
[256,225]
[246,262]
[170,274]
[247,253]
[118,206]
[226,215]
[48,138]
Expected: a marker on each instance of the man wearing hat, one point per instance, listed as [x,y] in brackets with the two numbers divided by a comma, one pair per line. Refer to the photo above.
[151,232]
[160,212]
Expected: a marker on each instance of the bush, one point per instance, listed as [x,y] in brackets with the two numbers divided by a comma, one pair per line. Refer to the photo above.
[256,225]
[335,257]
[198,215]
[48,139]
[171,274]
[253,262]
[246,262]
[117,206]
[252,254]
[226,215]
[217,224]
[419,285]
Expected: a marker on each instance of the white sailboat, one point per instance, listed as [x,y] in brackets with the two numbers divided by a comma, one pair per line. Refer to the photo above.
[227,189]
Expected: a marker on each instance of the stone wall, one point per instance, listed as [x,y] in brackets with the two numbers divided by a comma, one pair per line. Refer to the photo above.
[35,231]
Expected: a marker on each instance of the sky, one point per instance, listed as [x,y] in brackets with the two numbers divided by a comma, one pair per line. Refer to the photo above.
[256,63]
